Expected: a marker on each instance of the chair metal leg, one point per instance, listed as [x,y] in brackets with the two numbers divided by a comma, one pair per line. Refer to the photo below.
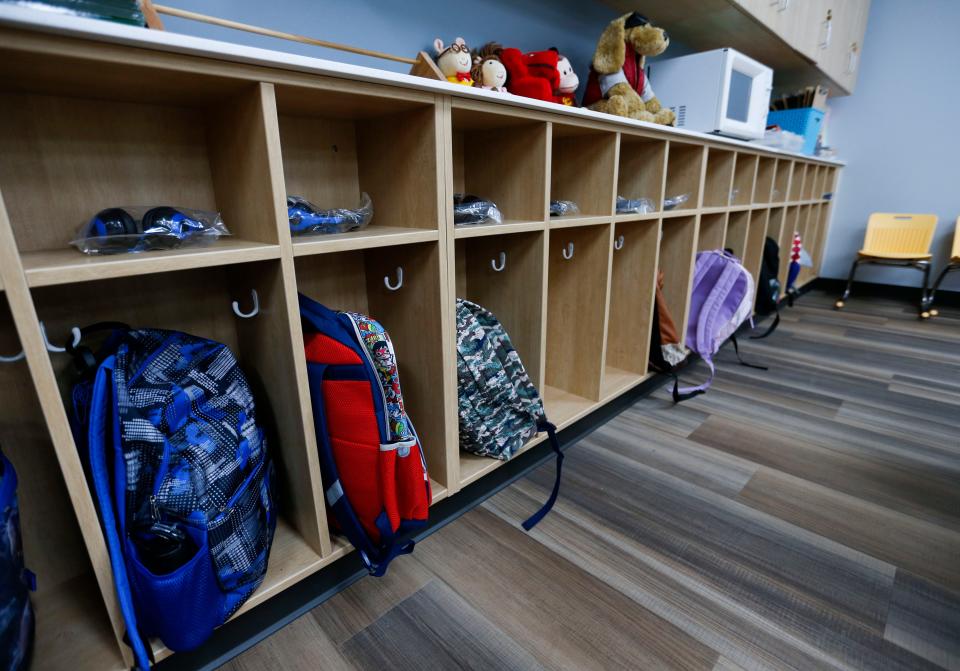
[846,292]
[924,292]
[931,295]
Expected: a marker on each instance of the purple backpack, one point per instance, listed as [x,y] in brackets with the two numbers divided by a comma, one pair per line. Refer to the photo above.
[722,299]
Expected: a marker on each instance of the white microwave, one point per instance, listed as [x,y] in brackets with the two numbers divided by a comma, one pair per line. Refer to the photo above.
[720,91]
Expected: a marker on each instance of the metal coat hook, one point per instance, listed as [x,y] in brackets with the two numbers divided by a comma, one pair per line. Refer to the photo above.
[12,359]
[53,348]
[503,263]
[568,251]
[618,243]
[256,306]
[391,287]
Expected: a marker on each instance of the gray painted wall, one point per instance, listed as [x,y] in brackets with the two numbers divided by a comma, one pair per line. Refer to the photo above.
[404,28]
[900,133]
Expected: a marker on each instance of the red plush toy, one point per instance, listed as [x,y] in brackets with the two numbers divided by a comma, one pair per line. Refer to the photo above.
[524,81]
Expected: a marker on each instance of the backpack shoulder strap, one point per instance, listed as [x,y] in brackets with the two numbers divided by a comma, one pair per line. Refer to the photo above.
[103,442]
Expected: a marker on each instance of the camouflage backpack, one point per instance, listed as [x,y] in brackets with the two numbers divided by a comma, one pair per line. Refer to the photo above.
[499,408]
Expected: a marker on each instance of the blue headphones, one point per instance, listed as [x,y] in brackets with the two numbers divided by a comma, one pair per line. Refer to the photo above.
[159,228]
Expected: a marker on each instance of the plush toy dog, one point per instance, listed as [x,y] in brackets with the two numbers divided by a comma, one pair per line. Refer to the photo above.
[617,83]
[454,61]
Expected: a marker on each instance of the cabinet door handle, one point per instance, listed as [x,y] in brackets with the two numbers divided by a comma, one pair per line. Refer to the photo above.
[827,30]
[852,58]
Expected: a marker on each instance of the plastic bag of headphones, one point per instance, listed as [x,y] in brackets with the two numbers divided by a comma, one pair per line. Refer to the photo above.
[675,201]
[635,205]
[472,210]
[563,208]
[130,230]
[308,219]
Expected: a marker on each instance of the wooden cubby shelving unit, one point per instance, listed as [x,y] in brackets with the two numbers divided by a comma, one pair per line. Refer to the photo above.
[92,123]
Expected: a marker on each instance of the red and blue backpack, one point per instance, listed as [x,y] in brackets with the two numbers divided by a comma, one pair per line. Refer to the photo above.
[373,469]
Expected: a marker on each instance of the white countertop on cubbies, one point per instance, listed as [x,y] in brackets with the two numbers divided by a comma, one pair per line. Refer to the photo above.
[106,31]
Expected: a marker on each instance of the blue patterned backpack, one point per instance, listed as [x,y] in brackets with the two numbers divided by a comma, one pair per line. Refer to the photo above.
[498,406]
[16,615]
[182,478]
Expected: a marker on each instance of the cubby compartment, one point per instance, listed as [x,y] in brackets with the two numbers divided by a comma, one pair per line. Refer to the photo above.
[684,168]
[64,158]
[502,158]
[337,145]
[718,182]
[199,302]
[744,175]
[766,171]
[412,314]
[73,629]
[781,181]
[583,170]
[829,184]
[756,236]
[775,226]
[713,230]
[797,180]
[678,246]
[738,226]
[578,269]
[506,274]
[787,231]
[641,169]
[633,276]
[812,178]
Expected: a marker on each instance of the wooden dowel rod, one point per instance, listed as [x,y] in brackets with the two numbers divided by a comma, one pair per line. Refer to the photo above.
[185,14]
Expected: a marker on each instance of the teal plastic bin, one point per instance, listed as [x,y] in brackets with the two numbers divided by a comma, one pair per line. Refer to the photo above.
[805,122]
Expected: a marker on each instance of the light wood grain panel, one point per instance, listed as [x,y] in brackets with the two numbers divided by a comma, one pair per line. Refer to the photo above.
[58,426]
[641,168]
[766,168]
[512,294]
[678,247]
[781,181]
[684,173]
[632,284]
[744,178]
[713,230]
[797,180]
[584,170]
[507,165]
[756,237]
[719,180]
[58,170]
[576,303]
[738,229]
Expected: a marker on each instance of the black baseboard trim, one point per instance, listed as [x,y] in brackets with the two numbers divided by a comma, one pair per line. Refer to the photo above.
[257,624]
[944,297]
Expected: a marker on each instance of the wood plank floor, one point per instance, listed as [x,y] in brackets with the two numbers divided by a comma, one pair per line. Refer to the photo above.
[805,517]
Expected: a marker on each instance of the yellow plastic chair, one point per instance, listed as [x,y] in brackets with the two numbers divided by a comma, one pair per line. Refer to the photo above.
[952,264]
[901,240]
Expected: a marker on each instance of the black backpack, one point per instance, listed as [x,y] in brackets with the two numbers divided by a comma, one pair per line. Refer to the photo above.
[768,287]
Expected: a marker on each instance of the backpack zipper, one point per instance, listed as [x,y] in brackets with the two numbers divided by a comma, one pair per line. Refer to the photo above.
[369,359]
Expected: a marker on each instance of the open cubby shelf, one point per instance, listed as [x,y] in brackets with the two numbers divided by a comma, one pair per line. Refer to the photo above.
[684,174]
[583,170]
[98,126]
[719,178]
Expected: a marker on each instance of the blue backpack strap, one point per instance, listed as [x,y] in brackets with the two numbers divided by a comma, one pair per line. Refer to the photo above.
[533,520]
[104,433]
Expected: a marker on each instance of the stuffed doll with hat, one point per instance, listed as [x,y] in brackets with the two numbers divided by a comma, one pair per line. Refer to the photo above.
[454,61]
[555,68]
[617,83]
